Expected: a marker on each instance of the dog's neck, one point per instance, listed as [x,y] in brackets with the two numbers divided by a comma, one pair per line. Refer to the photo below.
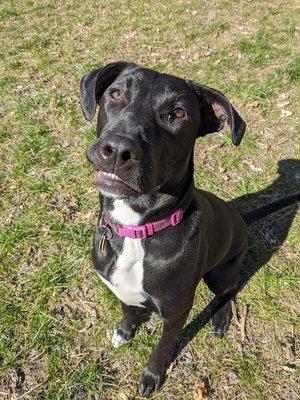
[149,207]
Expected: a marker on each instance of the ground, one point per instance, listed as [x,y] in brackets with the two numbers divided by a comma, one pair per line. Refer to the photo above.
[56,317]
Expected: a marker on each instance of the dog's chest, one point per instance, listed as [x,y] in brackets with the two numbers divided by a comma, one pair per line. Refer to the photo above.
[126,280]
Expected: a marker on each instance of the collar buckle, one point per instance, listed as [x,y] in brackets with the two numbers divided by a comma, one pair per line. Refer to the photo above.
[176,217]
[142,232]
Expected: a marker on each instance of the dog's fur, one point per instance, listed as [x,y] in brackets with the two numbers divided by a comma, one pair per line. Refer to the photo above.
[142,141]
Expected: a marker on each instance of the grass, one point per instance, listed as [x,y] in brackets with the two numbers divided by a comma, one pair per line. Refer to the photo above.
[55,315]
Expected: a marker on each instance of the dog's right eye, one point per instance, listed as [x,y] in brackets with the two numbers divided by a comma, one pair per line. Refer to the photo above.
[178,113]
[115,94]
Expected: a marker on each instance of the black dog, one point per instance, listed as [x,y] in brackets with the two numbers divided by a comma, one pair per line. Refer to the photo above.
[157,236]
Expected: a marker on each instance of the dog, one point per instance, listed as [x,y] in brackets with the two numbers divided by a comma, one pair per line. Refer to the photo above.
[156,235]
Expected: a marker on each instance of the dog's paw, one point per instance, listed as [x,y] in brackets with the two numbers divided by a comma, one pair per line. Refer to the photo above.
[220,321]
[219,332]
[219,327]
[149,382]
[120,336]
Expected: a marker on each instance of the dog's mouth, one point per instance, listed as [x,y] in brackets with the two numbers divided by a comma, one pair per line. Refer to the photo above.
[111,184]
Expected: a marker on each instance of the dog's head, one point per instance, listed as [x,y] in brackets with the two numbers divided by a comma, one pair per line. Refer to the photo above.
[147,126]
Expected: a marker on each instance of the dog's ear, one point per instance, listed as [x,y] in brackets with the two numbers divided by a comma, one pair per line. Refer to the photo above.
[93,85]
[215,111]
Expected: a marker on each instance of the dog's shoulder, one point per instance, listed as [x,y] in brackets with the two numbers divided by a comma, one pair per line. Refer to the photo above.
[216,209]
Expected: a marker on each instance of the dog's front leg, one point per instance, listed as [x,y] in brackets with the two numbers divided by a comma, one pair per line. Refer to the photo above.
[152,376]
[126,328]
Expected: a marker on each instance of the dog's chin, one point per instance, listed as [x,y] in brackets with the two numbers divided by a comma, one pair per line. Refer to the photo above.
[111,185]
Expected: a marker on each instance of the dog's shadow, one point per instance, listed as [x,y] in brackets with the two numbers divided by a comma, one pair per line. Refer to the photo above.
[265,237]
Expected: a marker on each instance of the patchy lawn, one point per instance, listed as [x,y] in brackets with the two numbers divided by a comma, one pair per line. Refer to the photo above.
[55,315]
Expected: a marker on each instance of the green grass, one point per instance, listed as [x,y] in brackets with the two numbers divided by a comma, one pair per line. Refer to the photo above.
[55,315]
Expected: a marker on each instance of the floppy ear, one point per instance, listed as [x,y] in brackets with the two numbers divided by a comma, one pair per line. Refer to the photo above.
[215,110]
[93,85]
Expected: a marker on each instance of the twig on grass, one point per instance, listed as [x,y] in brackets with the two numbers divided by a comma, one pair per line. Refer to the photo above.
[240,319]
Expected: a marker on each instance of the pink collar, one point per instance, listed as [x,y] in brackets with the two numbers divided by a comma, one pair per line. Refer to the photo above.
[146,230]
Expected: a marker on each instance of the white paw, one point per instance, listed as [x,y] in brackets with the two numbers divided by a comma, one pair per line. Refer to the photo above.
[117,340]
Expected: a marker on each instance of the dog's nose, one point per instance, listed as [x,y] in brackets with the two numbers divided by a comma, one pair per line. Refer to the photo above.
[119,150]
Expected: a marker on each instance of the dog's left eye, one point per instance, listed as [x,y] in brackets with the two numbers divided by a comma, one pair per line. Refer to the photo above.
[116,94]
[178,113]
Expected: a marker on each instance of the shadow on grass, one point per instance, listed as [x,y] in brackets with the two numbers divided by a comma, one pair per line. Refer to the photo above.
[265,237]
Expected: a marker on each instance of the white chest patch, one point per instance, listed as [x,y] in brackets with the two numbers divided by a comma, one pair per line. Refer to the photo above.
[126,282]
[124,214]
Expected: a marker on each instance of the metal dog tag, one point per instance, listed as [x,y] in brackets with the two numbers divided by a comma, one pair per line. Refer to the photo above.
[106,234]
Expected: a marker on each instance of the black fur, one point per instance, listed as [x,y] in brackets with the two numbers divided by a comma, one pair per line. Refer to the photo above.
[142,142]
